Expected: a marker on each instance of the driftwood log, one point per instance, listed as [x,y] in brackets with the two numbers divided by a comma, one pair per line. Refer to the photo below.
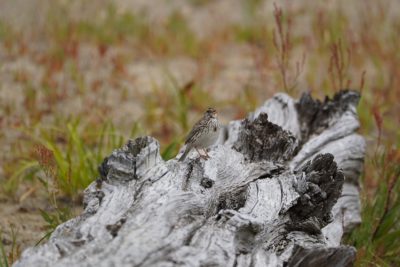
[280,189]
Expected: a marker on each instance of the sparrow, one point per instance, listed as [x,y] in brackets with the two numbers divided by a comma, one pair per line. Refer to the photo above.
[203,134]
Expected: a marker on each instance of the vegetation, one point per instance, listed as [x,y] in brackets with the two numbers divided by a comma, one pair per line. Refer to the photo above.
[7,258]
[86,96]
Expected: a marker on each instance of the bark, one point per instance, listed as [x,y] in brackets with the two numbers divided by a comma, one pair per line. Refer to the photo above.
[280,189]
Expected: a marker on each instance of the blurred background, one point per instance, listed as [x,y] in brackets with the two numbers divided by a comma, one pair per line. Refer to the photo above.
[78,78]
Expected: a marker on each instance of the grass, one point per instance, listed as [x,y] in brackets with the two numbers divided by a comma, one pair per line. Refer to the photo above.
[53,219]
[293,50]
[65,159]
[14,252]
[114,28]
[377,238]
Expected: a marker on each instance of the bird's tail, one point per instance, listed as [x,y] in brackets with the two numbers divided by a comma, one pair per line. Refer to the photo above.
[187,150]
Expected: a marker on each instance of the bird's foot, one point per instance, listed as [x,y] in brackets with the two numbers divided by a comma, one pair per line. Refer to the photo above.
[205,157]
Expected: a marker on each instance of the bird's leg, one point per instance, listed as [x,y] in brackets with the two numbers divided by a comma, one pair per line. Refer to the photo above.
[201,155]
[205,150]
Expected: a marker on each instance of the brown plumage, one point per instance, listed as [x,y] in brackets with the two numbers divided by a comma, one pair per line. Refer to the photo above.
[203,134]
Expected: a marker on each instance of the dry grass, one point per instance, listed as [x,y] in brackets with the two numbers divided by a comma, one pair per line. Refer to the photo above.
[81,78]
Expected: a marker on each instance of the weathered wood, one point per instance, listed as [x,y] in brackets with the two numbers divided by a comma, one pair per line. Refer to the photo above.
[280,188]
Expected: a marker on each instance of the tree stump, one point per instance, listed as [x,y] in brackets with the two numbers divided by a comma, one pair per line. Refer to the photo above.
[280,189]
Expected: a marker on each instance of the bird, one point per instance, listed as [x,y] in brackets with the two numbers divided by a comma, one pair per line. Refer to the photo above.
[203,134]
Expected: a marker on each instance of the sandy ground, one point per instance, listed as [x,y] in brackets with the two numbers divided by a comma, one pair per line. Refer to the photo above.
[24,220]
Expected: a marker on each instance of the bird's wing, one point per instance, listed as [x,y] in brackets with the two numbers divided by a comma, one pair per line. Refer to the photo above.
[195,130]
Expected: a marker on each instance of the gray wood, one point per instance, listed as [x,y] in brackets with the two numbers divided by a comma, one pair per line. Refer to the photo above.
[280,188]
